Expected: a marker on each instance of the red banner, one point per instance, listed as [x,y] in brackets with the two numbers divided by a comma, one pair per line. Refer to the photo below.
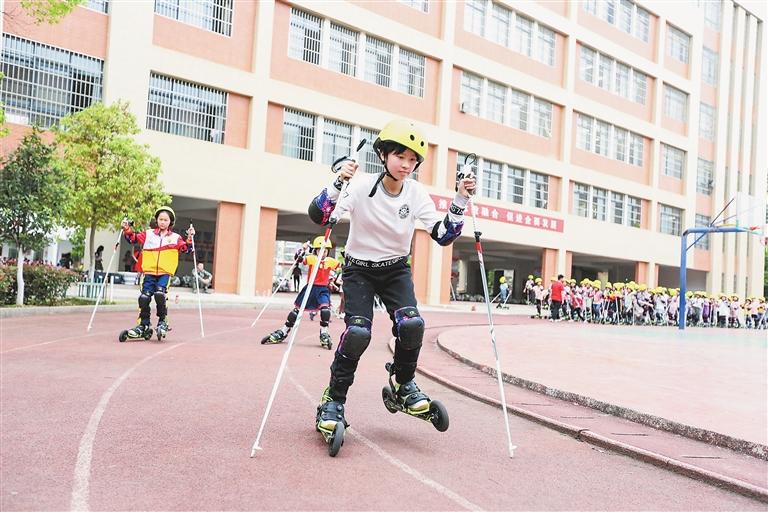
[530,220]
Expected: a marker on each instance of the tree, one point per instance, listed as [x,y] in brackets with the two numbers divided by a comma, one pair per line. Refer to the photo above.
[33,197]
[49,11]
[113,176]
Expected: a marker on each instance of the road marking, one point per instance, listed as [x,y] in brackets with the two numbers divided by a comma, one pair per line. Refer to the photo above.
[79,336]
[81,484]
[441,489]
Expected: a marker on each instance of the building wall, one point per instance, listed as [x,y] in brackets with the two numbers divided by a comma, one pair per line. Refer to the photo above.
[250,178]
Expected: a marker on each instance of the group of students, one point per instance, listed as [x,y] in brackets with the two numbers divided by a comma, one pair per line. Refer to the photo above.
[636,304]
[386,207]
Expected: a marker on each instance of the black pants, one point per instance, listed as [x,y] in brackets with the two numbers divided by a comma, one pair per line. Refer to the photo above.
[394,286]
[296,281]
[555,309]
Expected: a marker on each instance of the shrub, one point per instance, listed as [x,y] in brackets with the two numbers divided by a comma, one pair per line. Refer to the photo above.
[44,285]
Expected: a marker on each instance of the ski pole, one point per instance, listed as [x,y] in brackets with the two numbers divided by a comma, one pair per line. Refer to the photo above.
[197,285]
[295,330]
[104,282]
[279,285]
[467,171]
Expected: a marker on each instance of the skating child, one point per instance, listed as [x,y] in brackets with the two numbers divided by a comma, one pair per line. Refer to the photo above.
[503,292]
[383,212]
[160,248]
[529,284]
[538,294]
[319,295]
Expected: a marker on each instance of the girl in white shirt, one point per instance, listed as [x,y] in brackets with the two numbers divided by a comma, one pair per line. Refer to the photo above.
[383,211]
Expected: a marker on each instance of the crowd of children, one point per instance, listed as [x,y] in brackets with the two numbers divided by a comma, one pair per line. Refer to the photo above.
[636,304]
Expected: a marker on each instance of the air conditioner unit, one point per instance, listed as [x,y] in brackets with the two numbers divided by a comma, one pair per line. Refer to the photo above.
[463,107]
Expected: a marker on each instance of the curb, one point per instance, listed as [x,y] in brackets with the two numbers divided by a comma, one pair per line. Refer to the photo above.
[750,448]
[721,481]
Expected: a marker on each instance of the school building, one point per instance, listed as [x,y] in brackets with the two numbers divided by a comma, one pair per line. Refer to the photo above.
[603,129]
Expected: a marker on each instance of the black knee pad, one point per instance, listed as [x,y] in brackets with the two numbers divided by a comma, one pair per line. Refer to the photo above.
[160,303]
[356,337]
[145,300]
[325,316]
[292,316]
[410,327]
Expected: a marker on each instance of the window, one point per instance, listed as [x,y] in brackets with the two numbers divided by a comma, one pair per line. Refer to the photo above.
[337,140]
[542,117]
[627,16]
[538,185]
[602,138]
[419,5]
[471,92]
[639,81]
[298,134]
[304,37]
[342,55]
[546,46]
[97,5]
[581,200]
[515,185]
[634,210]
[636,149]
[500,24]
[584,132]
[519,110]
[621,82]
[212,15]
[378,61]
[706,121]
[626,10]
[620,144]
[702,239]
[607,10]
[711,10]
[491,180]
[370,161]
[642,24]
[587,68]
[675,104]
[494,109]
[673,161]
[523,35]
[411,77]
[604,72]
[709,64]
[599,204]
[705,176]
[43,84]
[612,75]
[187,109]
[474,16]
[678,43]
[617,208]
[670,219]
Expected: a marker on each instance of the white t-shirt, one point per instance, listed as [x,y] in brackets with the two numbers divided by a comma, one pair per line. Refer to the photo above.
[381,227]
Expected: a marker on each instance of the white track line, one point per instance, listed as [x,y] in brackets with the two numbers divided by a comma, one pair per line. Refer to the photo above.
[439,488]
[81,484]
[79,336]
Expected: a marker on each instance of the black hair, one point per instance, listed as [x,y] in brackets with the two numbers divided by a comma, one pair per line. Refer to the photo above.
[385,147]
[100,248]
[559,276]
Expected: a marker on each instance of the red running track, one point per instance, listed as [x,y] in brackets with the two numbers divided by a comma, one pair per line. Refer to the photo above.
[92,424]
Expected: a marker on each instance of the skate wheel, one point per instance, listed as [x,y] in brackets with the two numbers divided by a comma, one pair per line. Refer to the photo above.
[264,340]
[389,399]
[159,336]
[148,335]
[439,415]
[329,345]
[123,336]
[337,439]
